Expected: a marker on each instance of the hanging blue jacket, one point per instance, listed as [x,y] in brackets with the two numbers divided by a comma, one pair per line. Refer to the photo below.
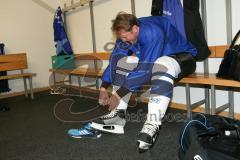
[63,46]
[156,38]
[173,10]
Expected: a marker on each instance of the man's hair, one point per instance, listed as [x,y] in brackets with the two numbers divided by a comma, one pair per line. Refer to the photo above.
[124,21]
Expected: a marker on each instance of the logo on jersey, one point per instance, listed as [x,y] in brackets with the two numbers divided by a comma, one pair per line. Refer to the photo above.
[168,13]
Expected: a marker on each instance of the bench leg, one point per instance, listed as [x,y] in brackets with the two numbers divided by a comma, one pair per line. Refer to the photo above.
[31,88]
[231,103]
[207,103]
[25,87]
[213,100]
[70,79]
[54,80]
[97,84]
[80,85]
[188,101]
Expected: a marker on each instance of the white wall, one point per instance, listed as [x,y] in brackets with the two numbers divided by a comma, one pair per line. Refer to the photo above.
[26,26]
[34,33]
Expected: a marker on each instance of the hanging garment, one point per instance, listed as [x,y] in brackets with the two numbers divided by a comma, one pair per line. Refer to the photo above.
[63,46]
[157,8]
[3,83]
[187,21]
[173,10]
[194,28]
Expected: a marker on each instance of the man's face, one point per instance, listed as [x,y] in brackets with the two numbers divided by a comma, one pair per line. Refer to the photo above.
[129,36]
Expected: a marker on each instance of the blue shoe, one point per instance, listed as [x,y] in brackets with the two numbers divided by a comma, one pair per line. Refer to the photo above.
[85,132]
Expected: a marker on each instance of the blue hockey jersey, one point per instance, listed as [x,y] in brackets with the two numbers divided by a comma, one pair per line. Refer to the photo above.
[157,37]
[63,46]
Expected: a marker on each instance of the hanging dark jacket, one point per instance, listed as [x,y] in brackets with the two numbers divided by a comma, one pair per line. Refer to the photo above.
[157,8]
[192,24]
[194,28]
[3,83]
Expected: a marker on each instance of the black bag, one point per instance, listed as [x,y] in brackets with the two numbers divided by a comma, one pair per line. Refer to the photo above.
[210,137]
[230,65]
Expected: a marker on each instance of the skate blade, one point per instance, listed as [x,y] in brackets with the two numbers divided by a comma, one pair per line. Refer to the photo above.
[87,137]
[115,129]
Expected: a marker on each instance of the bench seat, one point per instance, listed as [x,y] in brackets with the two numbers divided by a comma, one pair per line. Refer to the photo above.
[17,76]
[209,79]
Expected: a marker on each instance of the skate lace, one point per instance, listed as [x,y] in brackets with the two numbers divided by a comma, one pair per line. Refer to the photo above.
[150,129]
[110,115]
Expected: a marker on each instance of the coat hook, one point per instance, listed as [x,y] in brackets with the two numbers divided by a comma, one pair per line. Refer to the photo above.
[72,3]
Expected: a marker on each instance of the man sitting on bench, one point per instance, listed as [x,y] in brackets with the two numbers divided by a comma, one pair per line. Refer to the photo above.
[162,56]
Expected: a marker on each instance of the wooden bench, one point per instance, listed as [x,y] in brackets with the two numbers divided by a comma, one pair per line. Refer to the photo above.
[82,72]
[205,80]
[210,81]
[17,62]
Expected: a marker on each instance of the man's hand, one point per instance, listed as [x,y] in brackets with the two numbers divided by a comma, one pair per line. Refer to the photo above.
[103,97]
[114,101]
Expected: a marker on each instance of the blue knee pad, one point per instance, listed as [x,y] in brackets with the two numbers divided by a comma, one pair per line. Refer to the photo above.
[163,84]
[162,87]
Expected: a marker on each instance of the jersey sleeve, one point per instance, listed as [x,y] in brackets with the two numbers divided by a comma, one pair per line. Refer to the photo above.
[121,48]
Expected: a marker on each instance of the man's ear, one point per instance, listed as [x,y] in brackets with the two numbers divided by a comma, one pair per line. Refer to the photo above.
[135,29]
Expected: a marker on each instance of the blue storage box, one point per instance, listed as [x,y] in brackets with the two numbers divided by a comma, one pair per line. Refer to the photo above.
[63,62]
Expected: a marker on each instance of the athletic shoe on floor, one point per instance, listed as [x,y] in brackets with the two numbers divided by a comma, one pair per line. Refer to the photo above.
[147,136]
[85,132]
[113,122]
